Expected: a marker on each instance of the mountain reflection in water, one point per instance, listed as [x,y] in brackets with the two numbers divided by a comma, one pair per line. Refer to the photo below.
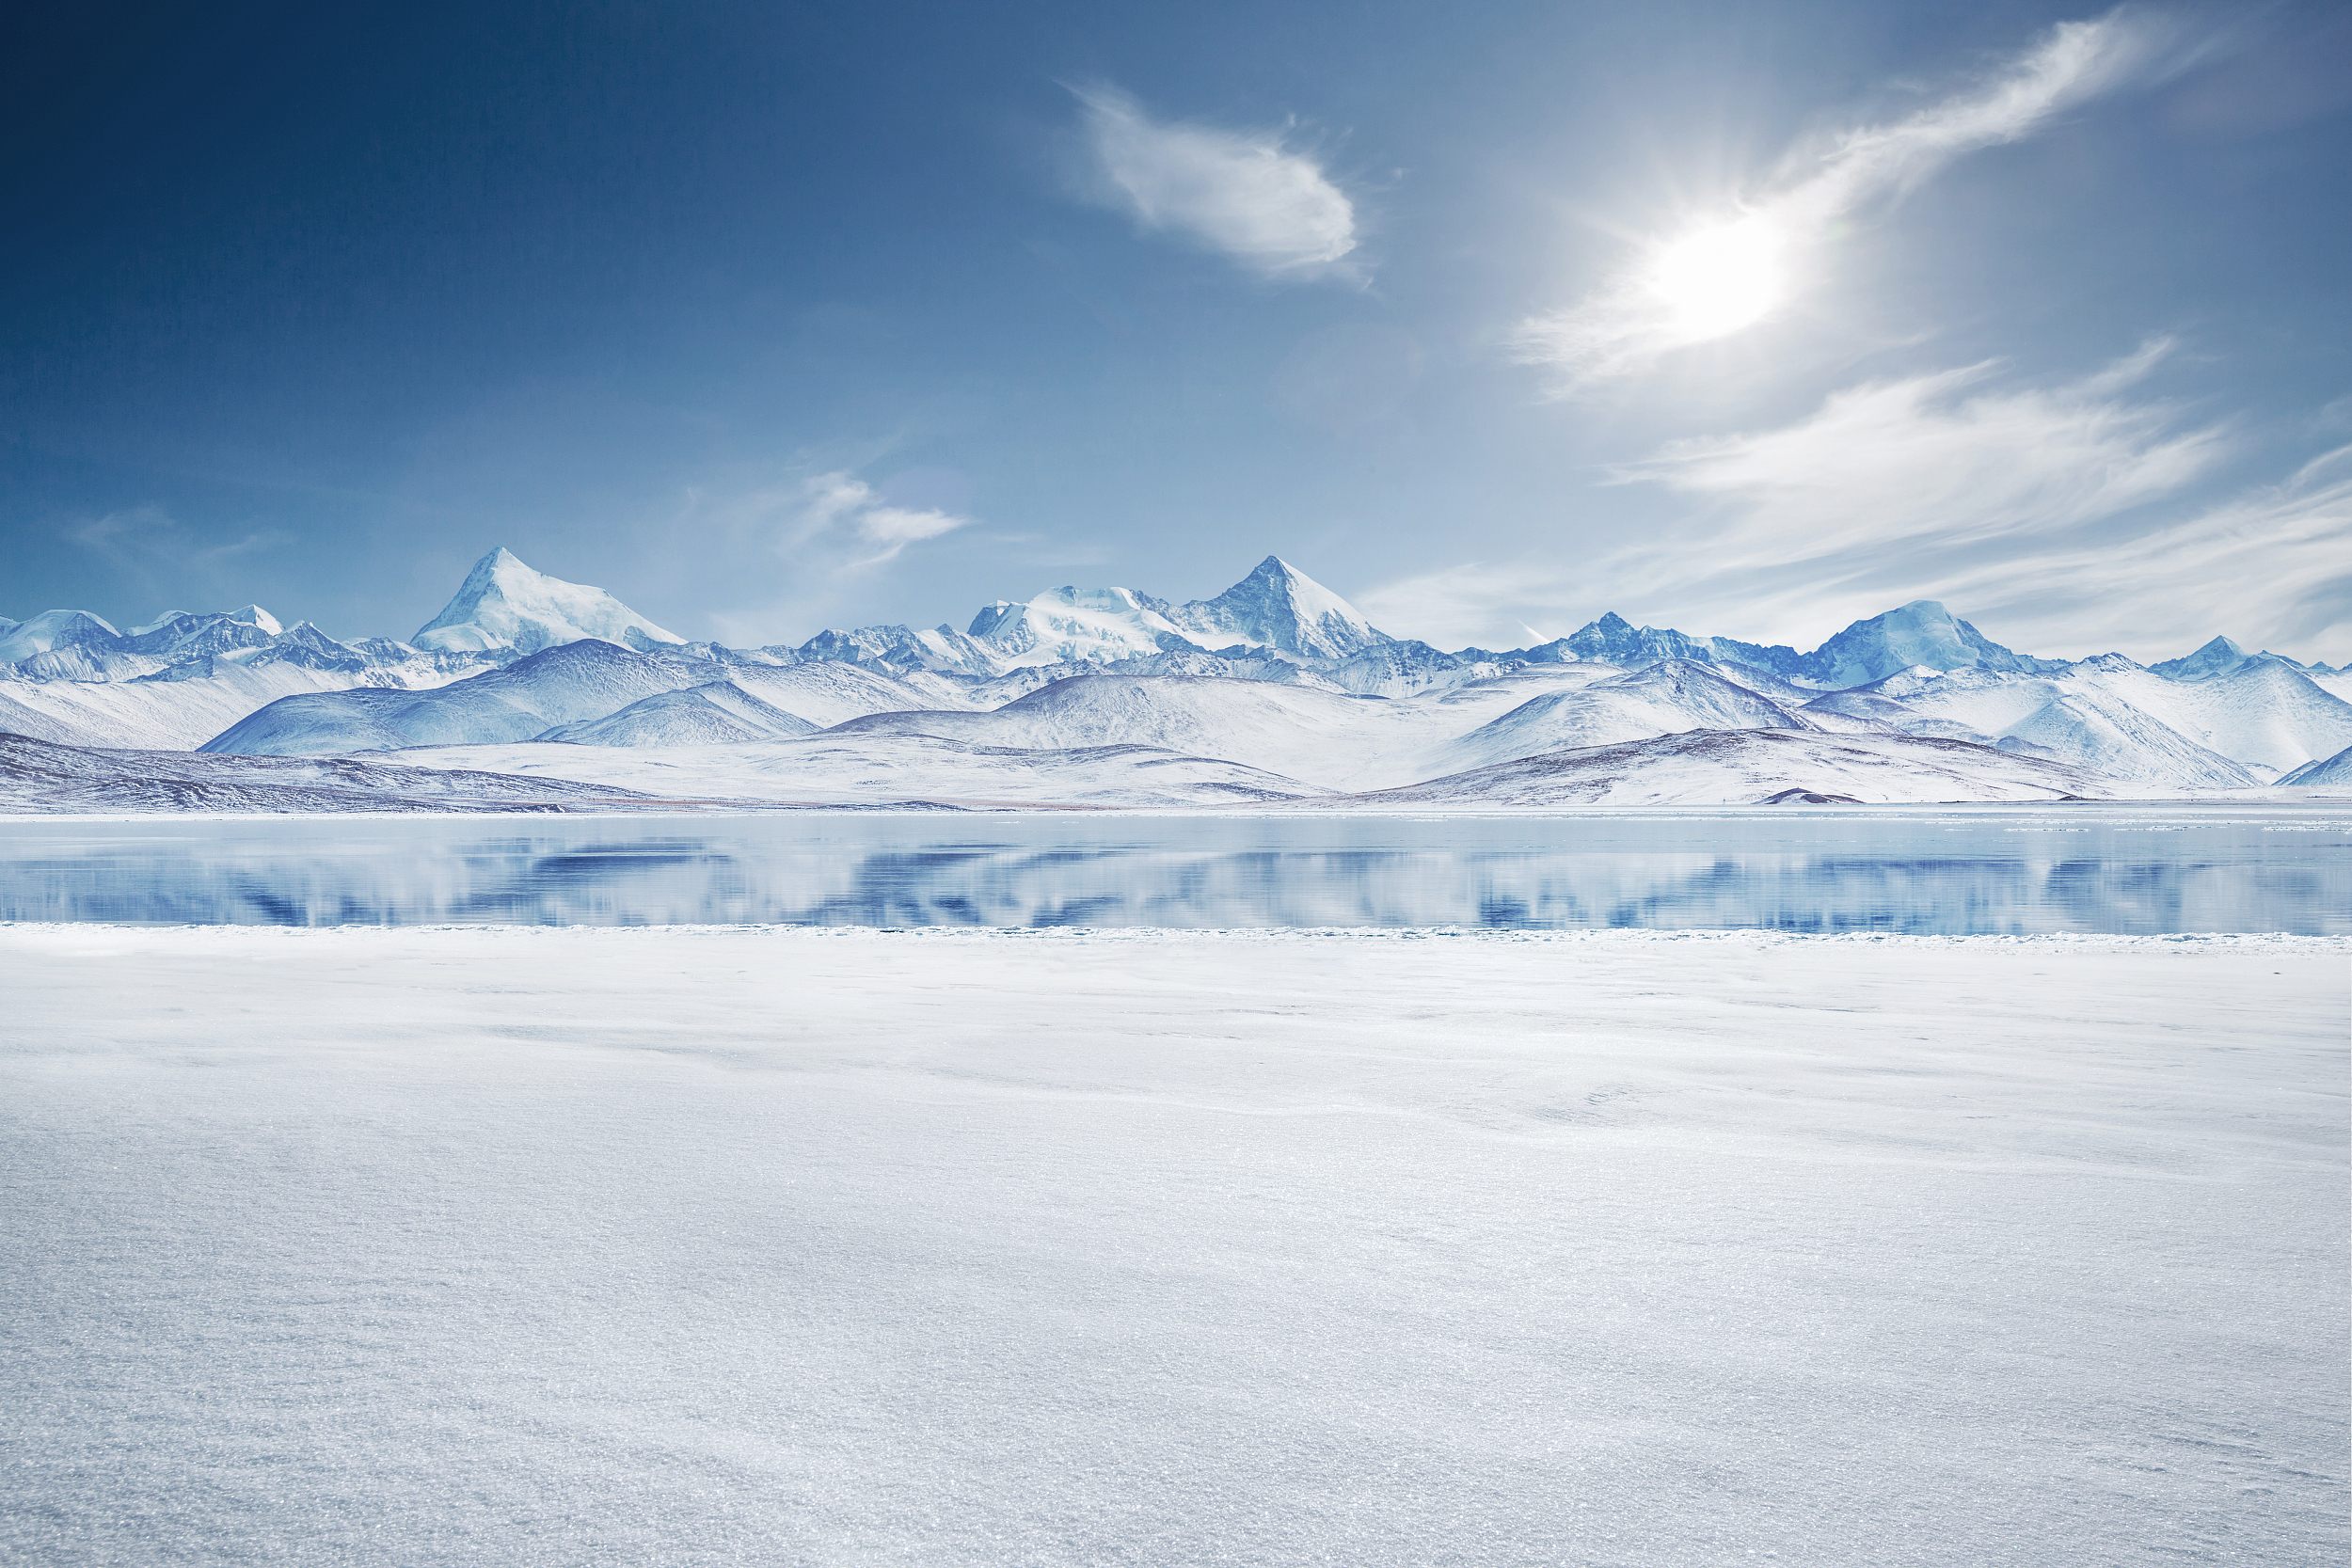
[2117,871]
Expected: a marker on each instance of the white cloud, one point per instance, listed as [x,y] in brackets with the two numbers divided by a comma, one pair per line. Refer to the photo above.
[148,536]
[1728,270]
[1487,604]
[1924,461]
[840,501]
[832,531]
[2060,520]
[2271,567]
[147,545]
[1248,194]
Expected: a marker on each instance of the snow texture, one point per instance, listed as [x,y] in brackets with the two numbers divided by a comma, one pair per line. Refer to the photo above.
[689,1247]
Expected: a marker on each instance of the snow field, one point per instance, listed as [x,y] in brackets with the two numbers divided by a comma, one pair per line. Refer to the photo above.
[712,1245]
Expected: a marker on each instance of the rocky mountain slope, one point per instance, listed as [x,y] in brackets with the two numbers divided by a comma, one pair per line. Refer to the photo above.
[37,776]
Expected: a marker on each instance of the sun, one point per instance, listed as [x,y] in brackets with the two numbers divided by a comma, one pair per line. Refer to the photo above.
[1717,280]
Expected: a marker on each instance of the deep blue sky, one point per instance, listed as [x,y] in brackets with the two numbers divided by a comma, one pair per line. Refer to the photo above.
[716,304]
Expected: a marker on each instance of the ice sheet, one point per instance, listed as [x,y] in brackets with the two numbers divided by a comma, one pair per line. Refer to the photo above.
[701,1246]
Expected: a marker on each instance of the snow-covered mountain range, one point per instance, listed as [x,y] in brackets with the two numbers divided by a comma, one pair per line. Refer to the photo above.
[1276,689]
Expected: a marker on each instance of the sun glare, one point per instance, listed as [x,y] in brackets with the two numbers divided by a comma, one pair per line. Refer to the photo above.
[1717,280]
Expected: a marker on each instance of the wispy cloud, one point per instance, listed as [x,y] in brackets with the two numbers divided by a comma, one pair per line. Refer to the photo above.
[1248,195]
[151,536]
[2064,519]
[1933,461]
[833,532]
[1497,604]
[148,546]
[1723,271]
[840,502]
[2271,567]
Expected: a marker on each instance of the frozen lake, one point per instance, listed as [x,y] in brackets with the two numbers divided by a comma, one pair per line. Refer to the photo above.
[2138,870]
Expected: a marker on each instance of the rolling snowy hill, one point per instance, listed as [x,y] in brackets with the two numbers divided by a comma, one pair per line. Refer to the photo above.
[719,714]
[571,681]
[566,687]
[1663,699]
[1301,734]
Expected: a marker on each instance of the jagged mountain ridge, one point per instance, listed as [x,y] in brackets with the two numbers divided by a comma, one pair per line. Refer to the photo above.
[504,610]
[1276,609]
[2216,718]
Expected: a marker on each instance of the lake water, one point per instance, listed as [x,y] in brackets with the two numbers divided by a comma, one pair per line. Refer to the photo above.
[2005,870]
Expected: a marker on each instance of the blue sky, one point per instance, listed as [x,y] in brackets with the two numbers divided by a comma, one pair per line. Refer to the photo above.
[1745,318]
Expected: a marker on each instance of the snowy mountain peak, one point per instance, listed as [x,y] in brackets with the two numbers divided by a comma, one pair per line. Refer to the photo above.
[1922,632]
[1615,640]
[1278,605]
[1068,625]
[2216,657]
[179,621]
[503,604]
[54,629]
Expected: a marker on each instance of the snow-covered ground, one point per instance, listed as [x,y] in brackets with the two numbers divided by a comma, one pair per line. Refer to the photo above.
[693,1246]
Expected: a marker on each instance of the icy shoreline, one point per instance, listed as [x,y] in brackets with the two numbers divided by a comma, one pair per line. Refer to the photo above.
[2252,805]
[1634,935]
